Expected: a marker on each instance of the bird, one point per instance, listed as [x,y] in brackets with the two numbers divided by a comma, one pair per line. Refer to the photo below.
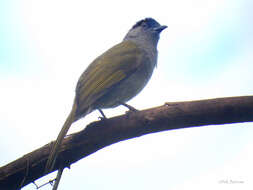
[114,77]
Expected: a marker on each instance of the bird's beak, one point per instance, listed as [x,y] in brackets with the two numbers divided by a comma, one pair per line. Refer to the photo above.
[160,28]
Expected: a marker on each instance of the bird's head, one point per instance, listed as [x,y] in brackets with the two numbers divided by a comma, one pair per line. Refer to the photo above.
[146,29]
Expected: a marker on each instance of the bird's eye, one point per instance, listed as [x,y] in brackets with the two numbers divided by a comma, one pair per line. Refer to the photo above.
[144,24]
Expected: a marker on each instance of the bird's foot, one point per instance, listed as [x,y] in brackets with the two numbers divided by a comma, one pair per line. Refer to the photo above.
[103,115]
[131,109]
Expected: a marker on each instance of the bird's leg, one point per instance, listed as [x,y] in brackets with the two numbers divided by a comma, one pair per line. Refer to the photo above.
[131,108]
[103,115]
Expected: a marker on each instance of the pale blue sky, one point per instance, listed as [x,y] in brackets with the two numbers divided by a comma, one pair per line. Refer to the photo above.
[206,52]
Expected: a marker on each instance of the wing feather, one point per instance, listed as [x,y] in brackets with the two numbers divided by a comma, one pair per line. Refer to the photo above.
[107,70]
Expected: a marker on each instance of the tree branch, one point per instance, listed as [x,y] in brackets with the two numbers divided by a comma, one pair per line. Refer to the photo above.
[100,134]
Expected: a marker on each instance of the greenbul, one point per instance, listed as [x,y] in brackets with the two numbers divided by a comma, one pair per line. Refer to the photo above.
[114,77]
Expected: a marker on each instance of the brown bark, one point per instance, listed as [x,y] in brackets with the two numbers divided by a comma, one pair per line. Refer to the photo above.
[100,134]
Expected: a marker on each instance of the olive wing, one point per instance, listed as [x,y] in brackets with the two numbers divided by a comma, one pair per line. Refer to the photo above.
[107,70]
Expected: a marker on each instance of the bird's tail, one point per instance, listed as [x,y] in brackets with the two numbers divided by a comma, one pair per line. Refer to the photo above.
[54,152]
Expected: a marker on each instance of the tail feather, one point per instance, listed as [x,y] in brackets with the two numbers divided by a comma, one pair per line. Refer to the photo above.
[54,152]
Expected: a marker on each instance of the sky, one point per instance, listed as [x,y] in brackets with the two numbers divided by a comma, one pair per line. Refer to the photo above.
[206,52]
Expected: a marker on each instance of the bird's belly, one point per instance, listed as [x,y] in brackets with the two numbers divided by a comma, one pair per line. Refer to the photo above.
[125,90]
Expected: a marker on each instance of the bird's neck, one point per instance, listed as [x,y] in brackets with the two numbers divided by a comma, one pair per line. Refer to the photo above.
[146,43]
